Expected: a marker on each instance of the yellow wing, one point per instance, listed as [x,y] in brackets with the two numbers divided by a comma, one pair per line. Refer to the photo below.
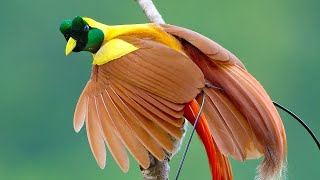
[136,101]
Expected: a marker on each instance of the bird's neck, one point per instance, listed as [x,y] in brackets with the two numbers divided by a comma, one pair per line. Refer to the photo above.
[141,31]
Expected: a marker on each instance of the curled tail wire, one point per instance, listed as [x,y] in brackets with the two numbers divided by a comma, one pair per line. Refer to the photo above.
[219,164]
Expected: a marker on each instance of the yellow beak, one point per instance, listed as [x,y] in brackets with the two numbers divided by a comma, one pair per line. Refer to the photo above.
[72,43]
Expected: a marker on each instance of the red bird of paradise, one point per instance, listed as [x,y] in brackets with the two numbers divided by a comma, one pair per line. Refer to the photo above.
[146,78]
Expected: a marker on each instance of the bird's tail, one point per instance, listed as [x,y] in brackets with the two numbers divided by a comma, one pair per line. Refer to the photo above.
[219,164]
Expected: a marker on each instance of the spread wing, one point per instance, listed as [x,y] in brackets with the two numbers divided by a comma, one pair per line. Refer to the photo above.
[242,118]
[208,47]
[226,121]
[136,102]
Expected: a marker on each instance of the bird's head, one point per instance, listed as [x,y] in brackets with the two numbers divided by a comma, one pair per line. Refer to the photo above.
[81,35]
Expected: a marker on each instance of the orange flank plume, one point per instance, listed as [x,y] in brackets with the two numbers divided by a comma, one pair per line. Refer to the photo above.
[219,164]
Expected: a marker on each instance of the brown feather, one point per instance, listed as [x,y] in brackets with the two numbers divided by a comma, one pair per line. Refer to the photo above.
[260,90]
[111,137]
[152,108]
[239,132]
[176,107]
[160,135]
[248,97]
[268,129]
[94,135]
[165,109]
[174,89]
[143,136]
[80,112]
[139,100]
[210,48]
[171,129]
[127,135]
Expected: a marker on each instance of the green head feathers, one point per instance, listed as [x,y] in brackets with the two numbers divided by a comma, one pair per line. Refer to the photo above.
[80,36]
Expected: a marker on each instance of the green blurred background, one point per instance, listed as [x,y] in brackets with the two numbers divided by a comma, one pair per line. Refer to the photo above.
[278,41]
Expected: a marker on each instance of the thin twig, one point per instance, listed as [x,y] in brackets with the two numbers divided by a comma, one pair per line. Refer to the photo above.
[151,11]
[158,170]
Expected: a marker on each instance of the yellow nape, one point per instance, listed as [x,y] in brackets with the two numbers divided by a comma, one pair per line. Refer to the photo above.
[95,24]
[112,50]
[151,31]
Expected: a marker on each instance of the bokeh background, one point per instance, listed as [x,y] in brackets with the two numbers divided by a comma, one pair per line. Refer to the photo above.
[278,41]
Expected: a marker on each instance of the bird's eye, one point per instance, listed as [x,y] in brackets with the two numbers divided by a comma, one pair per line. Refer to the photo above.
[86,28]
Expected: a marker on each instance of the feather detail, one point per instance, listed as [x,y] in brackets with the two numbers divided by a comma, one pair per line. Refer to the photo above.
[80,112]
[127,135]
[94,135]
[178,79]
[176,121]
[229,127]
[250,100]
[210,48]
[176,107]
[269,128]
[160,135]
[219,164]
[144,137]
[171,129]
[149,100]
[111,138]
[137,101]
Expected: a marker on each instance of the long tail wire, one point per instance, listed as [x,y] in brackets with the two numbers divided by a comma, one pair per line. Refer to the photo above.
[299,120]
[190,137]
[201,109]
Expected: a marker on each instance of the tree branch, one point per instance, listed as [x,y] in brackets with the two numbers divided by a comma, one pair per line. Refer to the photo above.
[151,11]
[158,170]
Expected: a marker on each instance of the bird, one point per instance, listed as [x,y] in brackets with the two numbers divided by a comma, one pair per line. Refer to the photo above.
[148,78]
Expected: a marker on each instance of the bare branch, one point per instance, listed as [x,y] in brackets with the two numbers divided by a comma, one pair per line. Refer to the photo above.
[158,170]
[151,11]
